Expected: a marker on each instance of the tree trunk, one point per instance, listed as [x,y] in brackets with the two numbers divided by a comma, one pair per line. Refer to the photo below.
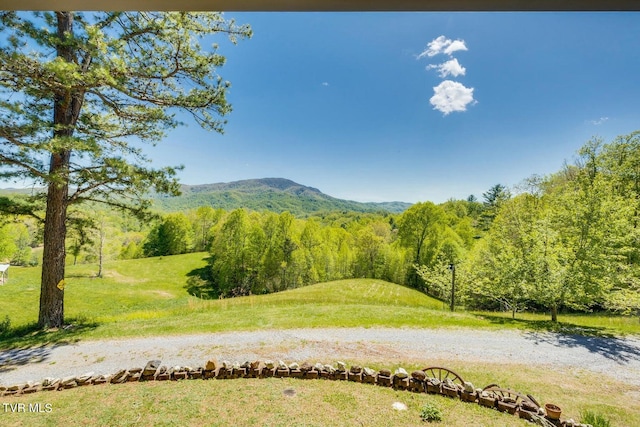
[102,237]
[66,110]
[53,261]
[554,313]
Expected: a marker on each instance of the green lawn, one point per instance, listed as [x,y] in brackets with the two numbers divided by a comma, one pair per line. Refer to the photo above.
[262,402]
[149,297]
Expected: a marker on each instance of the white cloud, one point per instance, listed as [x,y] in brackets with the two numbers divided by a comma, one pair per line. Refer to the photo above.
[442,45]
[325,84]
[455,46]
[598,122]
[449,68]
[450,96]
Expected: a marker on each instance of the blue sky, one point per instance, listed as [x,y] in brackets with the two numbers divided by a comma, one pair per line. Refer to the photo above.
[343,101]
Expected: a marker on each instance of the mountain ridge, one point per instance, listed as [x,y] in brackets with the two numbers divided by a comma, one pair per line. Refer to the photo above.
[271,194]
[274,194]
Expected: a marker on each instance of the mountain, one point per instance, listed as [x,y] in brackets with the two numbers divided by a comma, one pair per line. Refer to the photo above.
[272,194]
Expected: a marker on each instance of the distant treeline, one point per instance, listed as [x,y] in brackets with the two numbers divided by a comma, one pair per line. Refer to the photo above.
[567,240]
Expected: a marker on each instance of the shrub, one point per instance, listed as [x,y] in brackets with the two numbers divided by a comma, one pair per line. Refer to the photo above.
[430,413]
[595,419]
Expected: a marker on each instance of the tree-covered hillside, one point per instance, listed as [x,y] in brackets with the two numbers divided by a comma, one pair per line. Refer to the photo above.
[268,194]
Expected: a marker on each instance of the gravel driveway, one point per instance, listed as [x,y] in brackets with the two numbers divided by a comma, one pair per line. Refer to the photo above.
[614,357]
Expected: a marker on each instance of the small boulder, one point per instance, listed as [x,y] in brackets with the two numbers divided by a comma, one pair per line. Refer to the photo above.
[341,366]
[385,372]
[151,367]
[401,373]
[211,365]
[418,375]
[369,372]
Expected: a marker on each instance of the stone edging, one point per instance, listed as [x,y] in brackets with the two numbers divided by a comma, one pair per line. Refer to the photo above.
[447,385]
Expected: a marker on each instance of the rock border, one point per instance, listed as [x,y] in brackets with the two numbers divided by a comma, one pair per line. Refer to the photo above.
[416,382]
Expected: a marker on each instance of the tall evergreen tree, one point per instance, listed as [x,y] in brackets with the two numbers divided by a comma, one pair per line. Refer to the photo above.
[78,88]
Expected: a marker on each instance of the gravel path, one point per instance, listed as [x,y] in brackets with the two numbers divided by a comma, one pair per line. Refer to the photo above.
[614,357]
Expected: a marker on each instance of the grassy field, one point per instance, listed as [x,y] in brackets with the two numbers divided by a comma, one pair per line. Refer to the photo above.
[263,402]
[148,297]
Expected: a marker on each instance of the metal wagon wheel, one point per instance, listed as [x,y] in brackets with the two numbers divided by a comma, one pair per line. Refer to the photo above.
[443,374]
[518,398]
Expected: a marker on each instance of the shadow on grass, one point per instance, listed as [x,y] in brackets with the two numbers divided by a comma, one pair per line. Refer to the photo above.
[596,340]
[200,282]
[27,344]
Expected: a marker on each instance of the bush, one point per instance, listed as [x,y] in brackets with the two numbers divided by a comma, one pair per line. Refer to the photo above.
[595,419]
[430,413]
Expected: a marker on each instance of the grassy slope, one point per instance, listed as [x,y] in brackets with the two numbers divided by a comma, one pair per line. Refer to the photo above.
[148,297]
[145,297]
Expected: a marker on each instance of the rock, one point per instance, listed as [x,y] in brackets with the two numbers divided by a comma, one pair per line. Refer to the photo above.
[282,366]
[68,380]
[85,378]
[449,383]
[269,364]
[211,365]
[385,372]
[341,366]
[306,367]
[356,369]
[294,366]
[319,367]
[401,373]
[225,364]
[255,365]
[329,368]
[49,381]
[468,387]
[369,372]
[399,406]
[418,375]
[151,367]
[119,377]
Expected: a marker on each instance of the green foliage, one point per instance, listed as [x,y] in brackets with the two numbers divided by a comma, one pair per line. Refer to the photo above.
[80,90]
[594,419]
[568,240]
[5,325]
[172,236]
[430,413]
[270,194]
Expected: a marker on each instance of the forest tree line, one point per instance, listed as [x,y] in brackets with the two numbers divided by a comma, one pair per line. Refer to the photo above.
[567,240]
